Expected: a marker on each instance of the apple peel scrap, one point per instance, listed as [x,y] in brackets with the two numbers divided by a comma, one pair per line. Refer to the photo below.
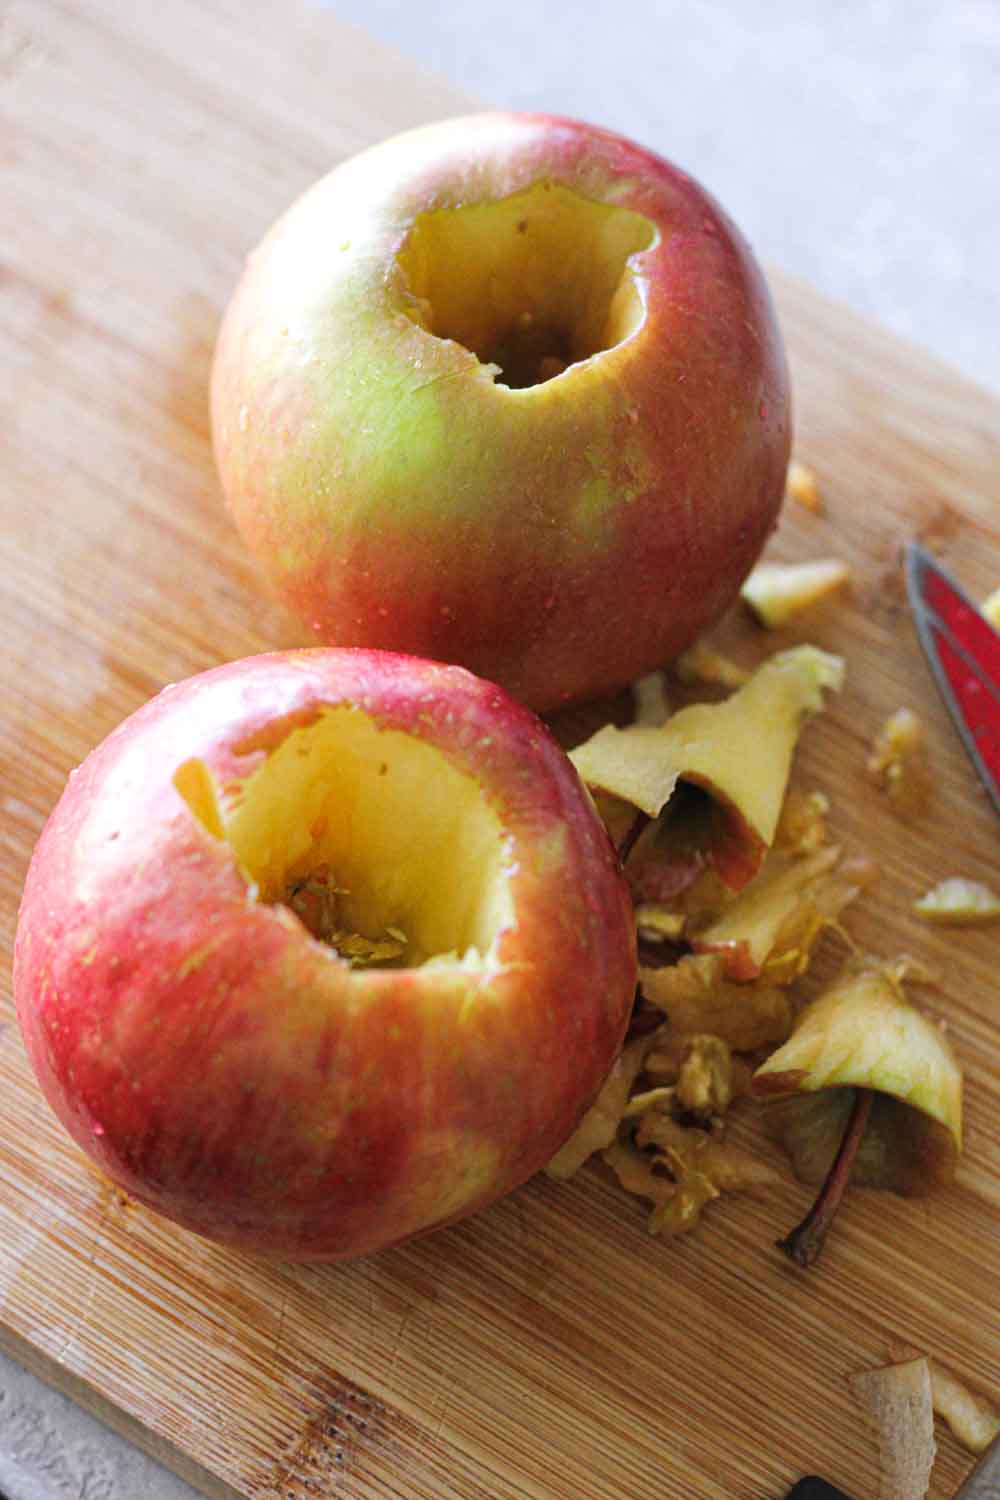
[701,664]
[802,824]
[803,486]
[774,922]
[738,751]
[862,1086]
[600,1124]
[959,903]
[679,1170]
[899,763]
[777,592]
[898,1403]
[901,1401]
[972,1420]
[866,1090]
[698,999]
[648,1139]
[861,1032]
[973,1423]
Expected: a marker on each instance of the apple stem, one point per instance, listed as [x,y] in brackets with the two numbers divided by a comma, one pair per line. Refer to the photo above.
[631,837]
[805,1242]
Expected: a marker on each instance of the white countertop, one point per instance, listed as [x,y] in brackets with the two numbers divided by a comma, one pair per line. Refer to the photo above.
[858,146]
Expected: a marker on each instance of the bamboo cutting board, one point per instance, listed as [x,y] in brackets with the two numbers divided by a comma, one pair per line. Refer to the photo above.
[548,1348]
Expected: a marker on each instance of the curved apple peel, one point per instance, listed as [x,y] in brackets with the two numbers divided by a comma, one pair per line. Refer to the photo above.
[898,1402]
[973,1422]
[747,932]
[772,926]
[675,859]
[738,751]
[862,1032]
[861,1036]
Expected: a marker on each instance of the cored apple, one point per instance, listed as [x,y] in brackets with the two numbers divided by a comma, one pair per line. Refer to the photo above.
[321,950]
[508,391]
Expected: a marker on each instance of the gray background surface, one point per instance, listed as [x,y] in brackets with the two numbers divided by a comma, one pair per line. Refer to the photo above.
[857,144]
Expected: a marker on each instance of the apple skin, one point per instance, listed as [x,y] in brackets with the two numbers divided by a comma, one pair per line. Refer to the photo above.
[560,540]
[230,1071]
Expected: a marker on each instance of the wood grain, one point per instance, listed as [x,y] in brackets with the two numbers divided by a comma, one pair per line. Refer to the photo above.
[548,1348]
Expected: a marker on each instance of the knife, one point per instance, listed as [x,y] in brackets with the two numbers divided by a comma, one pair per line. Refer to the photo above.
[982,1484]
[963,650]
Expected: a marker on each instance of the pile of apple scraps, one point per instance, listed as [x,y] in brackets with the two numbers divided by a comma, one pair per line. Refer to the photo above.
[734,880]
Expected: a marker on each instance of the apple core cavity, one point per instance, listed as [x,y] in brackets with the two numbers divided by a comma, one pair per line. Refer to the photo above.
[531,283]
[343,822]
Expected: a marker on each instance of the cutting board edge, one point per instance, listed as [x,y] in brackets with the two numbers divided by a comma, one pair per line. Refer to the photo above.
[68,1383]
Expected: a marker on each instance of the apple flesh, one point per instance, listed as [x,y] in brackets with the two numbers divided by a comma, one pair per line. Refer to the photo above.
[236,1073]
[507,391]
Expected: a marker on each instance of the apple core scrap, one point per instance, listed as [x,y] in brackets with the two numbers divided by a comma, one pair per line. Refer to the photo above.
[734,882]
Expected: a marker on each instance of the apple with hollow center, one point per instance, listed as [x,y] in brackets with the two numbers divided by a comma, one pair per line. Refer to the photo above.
[321,950]
[509,391]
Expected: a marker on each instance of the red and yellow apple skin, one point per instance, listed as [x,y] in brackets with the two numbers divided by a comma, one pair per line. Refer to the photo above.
[231,1071]
[559,539]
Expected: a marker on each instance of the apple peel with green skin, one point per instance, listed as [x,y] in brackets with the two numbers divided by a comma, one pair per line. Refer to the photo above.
[487,375]
[738,751]
[861,1033]
[240,1076]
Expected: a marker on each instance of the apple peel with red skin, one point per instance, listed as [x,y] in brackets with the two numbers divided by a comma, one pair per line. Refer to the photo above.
[234,1073]
[774,922]
[739,752]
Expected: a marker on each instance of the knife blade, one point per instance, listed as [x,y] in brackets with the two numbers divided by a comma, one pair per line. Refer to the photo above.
[963,650]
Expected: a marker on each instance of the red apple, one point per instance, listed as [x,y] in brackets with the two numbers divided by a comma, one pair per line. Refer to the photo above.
[230,1068]
[507,391]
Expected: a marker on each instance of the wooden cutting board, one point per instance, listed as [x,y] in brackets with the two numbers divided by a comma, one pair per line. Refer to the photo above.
[549,1348]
